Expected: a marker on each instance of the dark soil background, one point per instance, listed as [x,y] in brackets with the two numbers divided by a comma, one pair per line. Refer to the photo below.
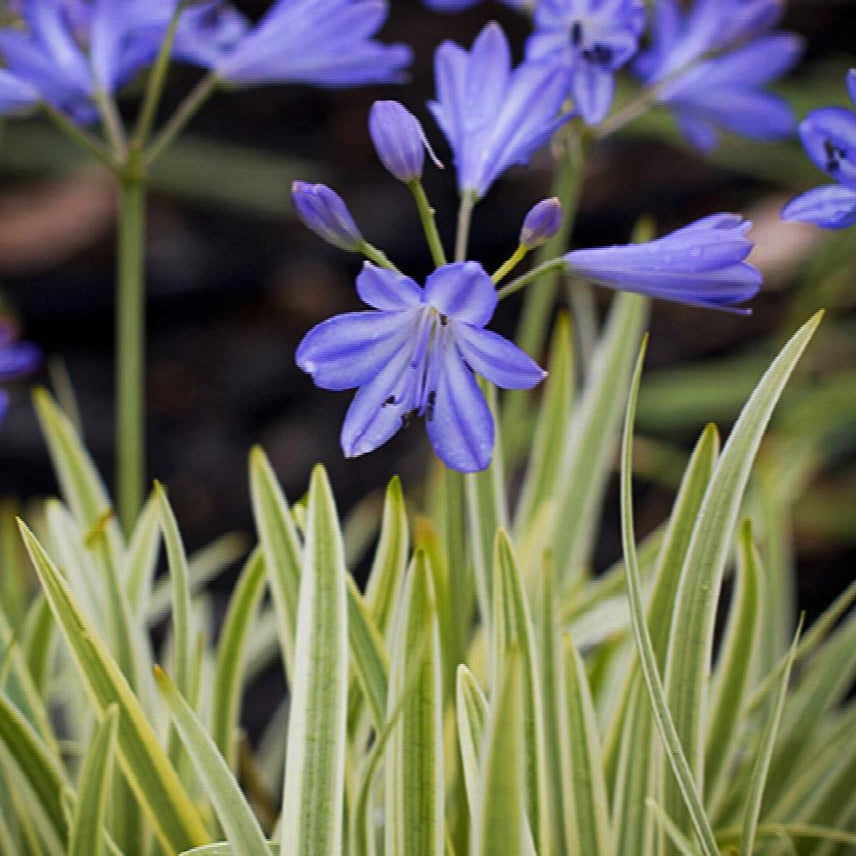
[232,290]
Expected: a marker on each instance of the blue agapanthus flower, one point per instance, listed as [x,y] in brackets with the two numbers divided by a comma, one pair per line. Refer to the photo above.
[590,40]
[415,353]
[493,116]
[67,50]
[322,42]
[829,137]
[702,264]
[17,359]
[711,65]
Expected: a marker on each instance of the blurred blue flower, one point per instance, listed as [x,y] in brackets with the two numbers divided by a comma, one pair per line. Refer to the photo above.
[415,354]
[829,137]
[325,213]
[711,64]
[492,115]
[17,359]
[591,40]
[699,265]
[69,49]
[322,42]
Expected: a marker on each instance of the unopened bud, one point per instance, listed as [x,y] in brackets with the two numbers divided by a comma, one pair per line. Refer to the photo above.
[325,213]
[542,222]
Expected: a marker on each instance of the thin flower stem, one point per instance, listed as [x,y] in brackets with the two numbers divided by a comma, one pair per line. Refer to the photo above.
[465,216]
[550,267]
[630,111]
[156,82]
[130,345]
[86,141]
[429,224]
[538,305]
[188,108]
[114,130]
[509,265]
[373,254]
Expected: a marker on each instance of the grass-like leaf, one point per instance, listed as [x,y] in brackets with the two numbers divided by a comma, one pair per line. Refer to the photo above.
[587,461]
[691,636]
[144,763]
[315,768]
[647,657]
[231,651]
[414,762]
[281,546]
[472,713]
[87,824]
[239,823]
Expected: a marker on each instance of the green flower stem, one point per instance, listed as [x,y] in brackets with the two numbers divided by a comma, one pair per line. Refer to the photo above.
[531,334]
[86,141]
[429,224]
[130,342]
[373,254]
[188,108]
[465,216]
[112,123]
[156,82]
[554,266]
[509,265]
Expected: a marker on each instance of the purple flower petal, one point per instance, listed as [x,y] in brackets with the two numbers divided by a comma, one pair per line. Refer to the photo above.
[387,289]
[15,94]
[461,426]
[496,359]
[19,359]
[829,138]
[831,206]
[349,350]
[4,403]
[463,292]
[851,84]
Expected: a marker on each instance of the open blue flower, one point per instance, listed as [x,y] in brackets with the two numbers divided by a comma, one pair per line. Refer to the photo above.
[415,354]
[829,137]
[702,264]
[591,40]
[322,42]
[711,65]
[17,359]
[70,49]
[492,115]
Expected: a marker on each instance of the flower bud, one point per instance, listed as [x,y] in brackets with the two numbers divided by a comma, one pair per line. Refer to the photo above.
[398,139]
[542,222]
[325,213]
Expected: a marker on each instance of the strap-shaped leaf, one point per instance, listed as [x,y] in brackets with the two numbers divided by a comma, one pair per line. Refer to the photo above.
[234,813]
[281,546]
[87,824]
[313,794]
[592,436]
[645,648]
[144,763]
[414,762]
[231,655]
[691,636]
[472,713]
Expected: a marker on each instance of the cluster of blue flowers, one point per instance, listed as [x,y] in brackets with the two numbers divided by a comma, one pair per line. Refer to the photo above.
[417,351]
[69,51]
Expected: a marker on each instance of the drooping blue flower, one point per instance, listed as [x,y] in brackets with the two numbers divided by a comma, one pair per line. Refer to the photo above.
[829,137]
[710,67]
[541,223]
[322,42]
[17,359]
[70,49]
[590,40]
[492,115]
[398,139]
[325,213]
[702,264]
[415,353]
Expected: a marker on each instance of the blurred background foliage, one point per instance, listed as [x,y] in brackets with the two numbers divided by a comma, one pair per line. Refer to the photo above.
[235,281]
